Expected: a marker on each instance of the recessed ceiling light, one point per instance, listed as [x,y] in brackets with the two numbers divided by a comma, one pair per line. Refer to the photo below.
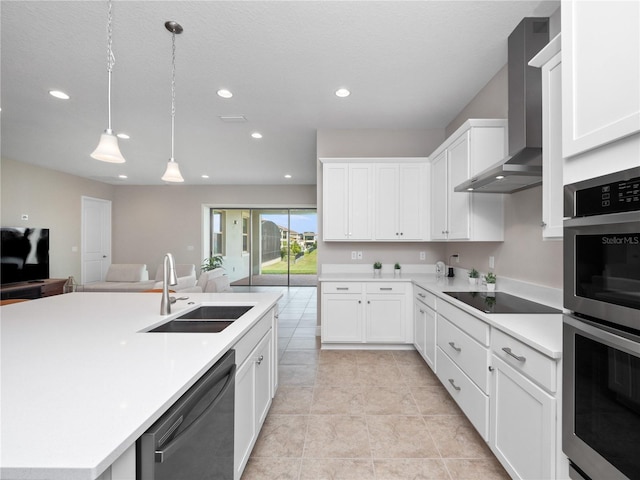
[256,135]
[122,176]
[123,136]
[287,176]
[205,176]
[470,189]
[342,92]
[499,177]
[59,94]
[224,93]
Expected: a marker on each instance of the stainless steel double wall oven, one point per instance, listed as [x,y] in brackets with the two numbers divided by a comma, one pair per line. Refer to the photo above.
[601,342]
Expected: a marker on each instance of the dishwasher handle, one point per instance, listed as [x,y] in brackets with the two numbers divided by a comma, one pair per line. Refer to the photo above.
[184,435]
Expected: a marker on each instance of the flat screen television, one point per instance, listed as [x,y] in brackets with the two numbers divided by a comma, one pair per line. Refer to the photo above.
[25,254]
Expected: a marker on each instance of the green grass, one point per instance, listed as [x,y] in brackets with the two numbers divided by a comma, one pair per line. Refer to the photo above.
[306,265]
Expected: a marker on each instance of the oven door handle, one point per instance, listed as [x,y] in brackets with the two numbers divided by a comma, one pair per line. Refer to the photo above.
[179,439]
[508,351]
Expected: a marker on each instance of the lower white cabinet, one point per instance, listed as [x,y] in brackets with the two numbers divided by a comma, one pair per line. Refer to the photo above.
[369,312]
[523,424]
[254,389]
[424,325]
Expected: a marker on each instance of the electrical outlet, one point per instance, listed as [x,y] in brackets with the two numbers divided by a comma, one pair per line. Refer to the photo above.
[492,262]
[423,256]
[354,255]
[24,217]
[359,255]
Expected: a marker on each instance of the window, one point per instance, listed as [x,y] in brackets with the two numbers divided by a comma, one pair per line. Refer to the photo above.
[217,232]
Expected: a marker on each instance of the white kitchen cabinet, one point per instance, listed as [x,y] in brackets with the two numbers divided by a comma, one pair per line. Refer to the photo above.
[401,201]
[524,423]
[369,312]
[550,61]
[347,190]
[424,318]
[601,73]
[256,357]
[475,146]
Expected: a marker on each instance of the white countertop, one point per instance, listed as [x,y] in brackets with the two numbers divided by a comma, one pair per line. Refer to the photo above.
[540,331]
[80,381]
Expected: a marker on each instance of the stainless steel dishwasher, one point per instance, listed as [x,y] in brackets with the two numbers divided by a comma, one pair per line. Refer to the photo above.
[193,440]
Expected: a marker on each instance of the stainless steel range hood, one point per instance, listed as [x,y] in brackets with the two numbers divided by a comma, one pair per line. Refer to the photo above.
[523,167]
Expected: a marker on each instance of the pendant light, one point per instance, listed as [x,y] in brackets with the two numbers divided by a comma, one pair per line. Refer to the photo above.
[172,173]
[107,149]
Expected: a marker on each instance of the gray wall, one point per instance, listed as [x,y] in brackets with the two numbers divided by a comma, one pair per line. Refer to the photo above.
[51,200]
[147,221]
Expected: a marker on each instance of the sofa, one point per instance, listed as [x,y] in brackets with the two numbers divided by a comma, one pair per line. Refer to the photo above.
[214,281]
[186,274]
[123,277]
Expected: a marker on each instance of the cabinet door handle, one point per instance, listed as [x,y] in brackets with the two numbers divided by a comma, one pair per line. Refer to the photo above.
[508,351]
[386,288]
[453,345]
[422,295]
[259,359]
[453,384]
[359,301]
[421,311]
[342,288]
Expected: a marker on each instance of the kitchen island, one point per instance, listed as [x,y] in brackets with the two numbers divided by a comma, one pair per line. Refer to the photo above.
[82,379]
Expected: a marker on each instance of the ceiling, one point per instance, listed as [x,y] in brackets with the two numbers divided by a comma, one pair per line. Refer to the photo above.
[408,64]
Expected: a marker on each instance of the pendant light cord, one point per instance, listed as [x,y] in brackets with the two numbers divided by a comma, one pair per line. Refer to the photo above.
[173,92]
[110,62]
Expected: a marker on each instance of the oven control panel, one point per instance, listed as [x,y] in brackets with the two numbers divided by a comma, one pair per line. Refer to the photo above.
[611,197]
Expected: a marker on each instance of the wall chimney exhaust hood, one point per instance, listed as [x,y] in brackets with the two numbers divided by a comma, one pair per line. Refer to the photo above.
[523,167]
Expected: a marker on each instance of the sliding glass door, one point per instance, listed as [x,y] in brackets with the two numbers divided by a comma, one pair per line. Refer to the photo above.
[274,247]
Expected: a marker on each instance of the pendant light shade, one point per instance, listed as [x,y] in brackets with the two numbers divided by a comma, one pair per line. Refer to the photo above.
[172,173]
[107,149]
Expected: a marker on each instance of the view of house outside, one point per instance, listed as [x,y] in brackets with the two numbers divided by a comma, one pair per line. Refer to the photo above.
[272,247]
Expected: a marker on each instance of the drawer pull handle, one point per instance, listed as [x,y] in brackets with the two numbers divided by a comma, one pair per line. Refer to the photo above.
[421,311]
[453,384]
[342,288]
[422,295]
[386,288]
[508,351]
[453,345]
[259,359]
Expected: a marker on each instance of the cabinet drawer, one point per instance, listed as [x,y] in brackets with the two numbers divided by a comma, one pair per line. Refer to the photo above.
[468,354]
[342,287]
[530,362]
[466,322]
[473,402]
[428,298]
[248,342]
[386,287]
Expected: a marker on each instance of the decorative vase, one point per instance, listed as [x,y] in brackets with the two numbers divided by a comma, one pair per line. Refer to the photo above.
[491,287]
[397,272]
[377,272]
[473,281]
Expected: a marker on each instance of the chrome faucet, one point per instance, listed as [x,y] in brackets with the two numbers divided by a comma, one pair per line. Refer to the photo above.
[169,277]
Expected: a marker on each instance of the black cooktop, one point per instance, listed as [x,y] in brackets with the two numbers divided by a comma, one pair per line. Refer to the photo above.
[500,302]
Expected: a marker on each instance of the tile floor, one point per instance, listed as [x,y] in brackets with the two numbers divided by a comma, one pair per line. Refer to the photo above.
[379,415]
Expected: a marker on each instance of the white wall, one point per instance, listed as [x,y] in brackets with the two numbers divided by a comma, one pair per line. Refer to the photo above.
[51,199]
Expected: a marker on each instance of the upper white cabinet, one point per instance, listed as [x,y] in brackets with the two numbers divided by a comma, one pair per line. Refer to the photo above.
[601,73]
[400,197]
[550,61]
[347,193]
[375,199]
[475,146]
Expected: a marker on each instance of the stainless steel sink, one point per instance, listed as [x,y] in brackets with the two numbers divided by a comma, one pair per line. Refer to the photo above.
[205,319]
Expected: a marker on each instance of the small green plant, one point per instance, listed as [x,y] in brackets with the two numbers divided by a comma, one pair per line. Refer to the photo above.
[211,263]
[377,266]
[490,277]
[473,273]
[397,266]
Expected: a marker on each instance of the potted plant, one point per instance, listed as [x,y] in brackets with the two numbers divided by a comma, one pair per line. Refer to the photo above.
[473,276]
[397,270]
[211,263]
[377,269]
[490,279]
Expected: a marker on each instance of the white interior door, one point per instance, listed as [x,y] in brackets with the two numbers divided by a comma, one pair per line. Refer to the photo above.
[96,239]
